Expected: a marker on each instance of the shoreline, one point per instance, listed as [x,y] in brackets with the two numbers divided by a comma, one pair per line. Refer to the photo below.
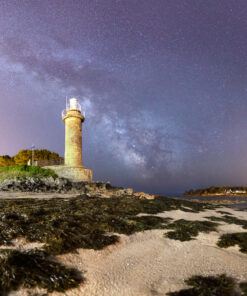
[215,195]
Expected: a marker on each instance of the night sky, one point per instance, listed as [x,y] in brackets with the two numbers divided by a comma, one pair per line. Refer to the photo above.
[163,84]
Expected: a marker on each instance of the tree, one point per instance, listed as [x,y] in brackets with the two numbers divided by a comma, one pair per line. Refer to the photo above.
[6,160]
[23,156]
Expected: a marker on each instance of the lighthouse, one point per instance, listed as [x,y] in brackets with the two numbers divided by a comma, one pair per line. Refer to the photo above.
[73,169]
[73,119]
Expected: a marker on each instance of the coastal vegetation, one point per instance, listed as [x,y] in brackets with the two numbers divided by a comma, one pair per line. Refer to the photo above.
[184,230]
[23,156]
[230,220]
[23,171]
[63,225]
[187,230]
[6,160]
[223,212]
[224,190]
[243,287]
[232,239]
[34,269]
[212,286]
[85,220]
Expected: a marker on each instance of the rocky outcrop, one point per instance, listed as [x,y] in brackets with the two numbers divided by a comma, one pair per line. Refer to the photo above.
[62,185]
[143,195]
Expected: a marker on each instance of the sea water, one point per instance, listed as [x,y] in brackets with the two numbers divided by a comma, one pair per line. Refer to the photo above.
[238,206]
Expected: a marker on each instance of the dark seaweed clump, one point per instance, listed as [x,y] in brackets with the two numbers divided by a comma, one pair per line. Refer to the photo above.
[220,285]
[223,212]
[64,225]
[230,220]
[185,230]
[243,287]
[33,268]
[232,239]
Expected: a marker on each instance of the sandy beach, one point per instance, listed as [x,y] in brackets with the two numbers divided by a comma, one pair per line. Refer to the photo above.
[146,263]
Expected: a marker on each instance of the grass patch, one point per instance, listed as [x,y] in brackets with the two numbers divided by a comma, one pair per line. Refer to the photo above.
[230,220]
[185,230]
[23,171]
[220,285]
[232,239]
[64,225]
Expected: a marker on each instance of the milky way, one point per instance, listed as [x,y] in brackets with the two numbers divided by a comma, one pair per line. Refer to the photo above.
[163,84]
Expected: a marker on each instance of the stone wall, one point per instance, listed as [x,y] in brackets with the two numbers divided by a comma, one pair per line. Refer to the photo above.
[74,174]
[50,162]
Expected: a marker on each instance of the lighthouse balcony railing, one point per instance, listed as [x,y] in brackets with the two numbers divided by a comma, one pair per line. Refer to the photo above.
[65,111]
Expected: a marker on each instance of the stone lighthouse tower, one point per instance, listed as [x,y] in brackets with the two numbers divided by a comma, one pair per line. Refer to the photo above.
[73,119]
[73,169]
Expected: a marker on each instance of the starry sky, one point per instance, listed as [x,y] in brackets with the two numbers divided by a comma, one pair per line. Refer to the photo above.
[163,84]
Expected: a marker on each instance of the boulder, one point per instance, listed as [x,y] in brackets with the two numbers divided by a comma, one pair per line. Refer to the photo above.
[143,195]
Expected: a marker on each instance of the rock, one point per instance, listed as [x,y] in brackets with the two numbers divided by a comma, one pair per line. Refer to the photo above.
[143,195]
[129,191]
[62,185]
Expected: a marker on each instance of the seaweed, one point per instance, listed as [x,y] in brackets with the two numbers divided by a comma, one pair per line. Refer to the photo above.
[230,220]
[243,287]
[130,224]
[34,268]
[220,285]
[232,239]
[185,230]
[224,212]
[64,225]
[84,220]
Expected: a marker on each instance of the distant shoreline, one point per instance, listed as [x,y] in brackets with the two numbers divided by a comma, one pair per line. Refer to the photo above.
[227,191]
[215,194]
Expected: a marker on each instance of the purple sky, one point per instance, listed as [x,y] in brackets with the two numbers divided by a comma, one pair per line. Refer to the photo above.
[163,84]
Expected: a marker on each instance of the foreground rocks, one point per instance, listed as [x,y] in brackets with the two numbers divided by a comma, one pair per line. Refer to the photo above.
[62,185]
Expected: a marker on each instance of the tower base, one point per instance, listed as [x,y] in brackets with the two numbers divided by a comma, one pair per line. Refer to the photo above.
[74,174]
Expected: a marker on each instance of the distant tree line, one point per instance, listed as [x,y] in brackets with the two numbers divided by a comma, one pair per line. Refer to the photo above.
[23,156]
[216,190]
